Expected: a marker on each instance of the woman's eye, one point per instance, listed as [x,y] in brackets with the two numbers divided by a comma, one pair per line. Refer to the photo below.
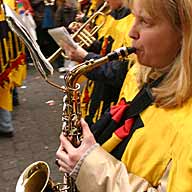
[143,21]
[146,22]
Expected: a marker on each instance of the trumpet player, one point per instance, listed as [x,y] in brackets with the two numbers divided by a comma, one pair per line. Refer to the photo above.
[103,85]
[150,148]
[84,14]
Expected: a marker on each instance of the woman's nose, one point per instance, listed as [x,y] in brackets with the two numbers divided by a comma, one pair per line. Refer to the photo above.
[134,33]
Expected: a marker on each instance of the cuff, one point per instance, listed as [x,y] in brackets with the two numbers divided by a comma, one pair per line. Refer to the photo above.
[76,169]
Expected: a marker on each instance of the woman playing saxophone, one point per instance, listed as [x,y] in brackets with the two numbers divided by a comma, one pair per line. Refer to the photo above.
[144,142]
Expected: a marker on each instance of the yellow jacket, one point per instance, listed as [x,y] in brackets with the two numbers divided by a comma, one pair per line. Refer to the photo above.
[12,53]
[163,144]
[117,31]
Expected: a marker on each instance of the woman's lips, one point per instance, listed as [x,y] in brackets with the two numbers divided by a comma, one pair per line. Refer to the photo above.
[137,51]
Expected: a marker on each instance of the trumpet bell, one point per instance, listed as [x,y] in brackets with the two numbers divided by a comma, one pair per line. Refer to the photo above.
[35,178]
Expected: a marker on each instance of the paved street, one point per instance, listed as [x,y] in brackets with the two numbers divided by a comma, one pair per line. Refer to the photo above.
[37,121]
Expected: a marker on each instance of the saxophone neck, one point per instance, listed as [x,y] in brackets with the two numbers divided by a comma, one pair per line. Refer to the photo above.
[118,54]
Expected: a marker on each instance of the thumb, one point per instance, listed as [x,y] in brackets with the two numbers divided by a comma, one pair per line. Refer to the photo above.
[87,134]
[85,127]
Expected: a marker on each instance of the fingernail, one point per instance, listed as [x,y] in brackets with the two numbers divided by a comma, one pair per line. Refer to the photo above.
[57,162]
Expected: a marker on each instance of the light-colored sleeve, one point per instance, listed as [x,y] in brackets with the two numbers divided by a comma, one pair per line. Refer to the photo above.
[101,172]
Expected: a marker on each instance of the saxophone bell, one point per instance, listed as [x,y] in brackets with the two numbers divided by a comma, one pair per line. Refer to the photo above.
[36,178]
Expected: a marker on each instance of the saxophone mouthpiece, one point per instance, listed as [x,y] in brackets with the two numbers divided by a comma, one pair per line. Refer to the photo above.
[121,53]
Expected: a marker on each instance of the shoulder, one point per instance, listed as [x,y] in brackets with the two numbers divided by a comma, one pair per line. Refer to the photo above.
[181,116]
[182,153]
[181,125]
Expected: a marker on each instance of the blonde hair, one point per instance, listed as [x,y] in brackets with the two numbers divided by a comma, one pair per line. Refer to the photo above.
[176,87]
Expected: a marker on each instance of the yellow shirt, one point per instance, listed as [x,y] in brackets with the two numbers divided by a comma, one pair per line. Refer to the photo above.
[13,48]
[11,4]
[118,29]
[165,139]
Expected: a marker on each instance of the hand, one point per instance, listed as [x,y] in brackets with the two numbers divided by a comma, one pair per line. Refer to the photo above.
[79,17]
[68,155]
[27,12]
[75,54]
[74,26]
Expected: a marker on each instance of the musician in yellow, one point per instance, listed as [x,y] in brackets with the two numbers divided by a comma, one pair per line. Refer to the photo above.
[89,10]
[103,86]
[12,70]
[151,143]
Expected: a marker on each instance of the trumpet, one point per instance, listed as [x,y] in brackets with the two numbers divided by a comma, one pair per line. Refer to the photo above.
[82,36]
[85,37]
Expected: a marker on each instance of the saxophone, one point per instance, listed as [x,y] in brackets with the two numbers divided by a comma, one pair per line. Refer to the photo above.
[71,116]
[71,128]
[36,177]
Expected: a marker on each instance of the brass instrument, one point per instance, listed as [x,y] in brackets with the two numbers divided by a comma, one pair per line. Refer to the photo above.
[36,177]
[82,36]
[49,2]
[85,37]
[37,174]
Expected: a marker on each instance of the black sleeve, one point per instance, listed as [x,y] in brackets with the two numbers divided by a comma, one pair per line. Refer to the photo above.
[95,47]
[112,73]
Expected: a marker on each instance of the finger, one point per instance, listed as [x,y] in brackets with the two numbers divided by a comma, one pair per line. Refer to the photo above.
[67,146]
[63,166]
[59,149]
[62,169]
[85,127]
[63,159]
[88,137]
[56,162]
[61,154]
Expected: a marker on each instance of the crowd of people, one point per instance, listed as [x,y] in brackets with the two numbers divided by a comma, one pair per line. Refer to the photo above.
[100,91]
[96,96]
[12,71]
[39,16]
[136,111]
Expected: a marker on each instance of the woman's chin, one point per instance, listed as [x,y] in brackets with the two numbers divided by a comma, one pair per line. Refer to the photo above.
[142,61]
